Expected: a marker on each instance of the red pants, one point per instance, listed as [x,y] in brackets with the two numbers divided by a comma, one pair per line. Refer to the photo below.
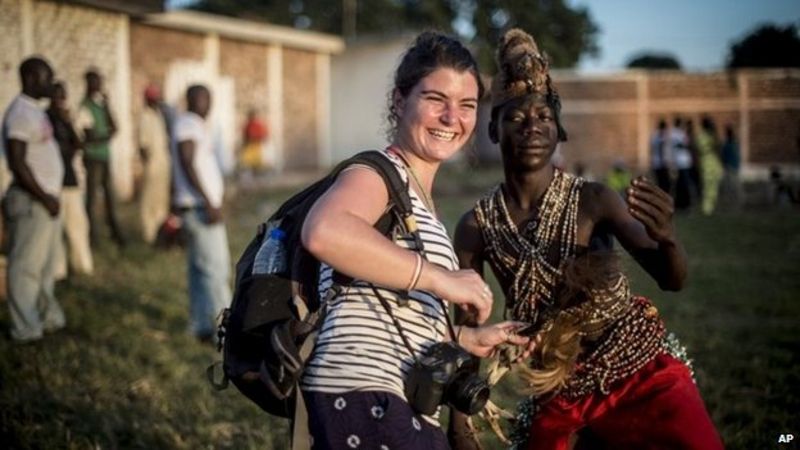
[658,407]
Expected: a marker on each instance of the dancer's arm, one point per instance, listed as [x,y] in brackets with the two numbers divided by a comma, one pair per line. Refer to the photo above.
[644,226]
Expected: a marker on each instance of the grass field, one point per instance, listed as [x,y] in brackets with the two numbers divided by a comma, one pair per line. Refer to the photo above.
[125,373]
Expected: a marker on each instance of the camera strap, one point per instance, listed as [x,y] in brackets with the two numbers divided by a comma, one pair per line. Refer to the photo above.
[411,227]
[388,308]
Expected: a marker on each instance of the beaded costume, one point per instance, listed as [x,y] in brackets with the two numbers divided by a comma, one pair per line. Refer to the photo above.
[628,385]
[626,332]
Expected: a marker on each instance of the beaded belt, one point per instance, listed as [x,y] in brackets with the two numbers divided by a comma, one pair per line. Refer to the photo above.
[632,342]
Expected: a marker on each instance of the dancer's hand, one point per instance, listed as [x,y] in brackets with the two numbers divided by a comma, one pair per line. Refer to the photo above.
[483,341]
[653,207]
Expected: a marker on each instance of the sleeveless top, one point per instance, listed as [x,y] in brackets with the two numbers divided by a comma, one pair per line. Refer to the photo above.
[358,346]
[621,333]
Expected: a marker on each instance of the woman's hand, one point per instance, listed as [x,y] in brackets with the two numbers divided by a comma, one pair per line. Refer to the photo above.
[653,207]
[482,341]
[464,288]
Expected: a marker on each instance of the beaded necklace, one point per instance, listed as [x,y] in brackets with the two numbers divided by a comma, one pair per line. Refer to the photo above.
[534,262]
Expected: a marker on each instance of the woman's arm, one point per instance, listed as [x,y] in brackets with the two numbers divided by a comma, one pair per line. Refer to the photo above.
[339,231]
[645,229]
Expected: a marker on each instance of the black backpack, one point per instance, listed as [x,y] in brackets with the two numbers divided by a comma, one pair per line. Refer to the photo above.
[269,330]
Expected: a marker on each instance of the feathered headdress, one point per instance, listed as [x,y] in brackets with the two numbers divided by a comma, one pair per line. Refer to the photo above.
[523,70]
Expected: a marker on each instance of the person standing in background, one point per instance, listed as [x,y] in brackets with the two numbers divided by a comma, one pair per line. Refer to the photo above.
[695,178]
[154,151]
[31,207]
[73,208]
[682,159]
[619,177]
[731,162]
[254,136]
[98,127]
[710,166]
[198,195]
[660,157]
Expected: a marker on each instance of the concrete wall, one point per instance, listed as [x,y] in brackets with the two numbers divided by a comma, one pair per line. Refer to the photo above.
[153,50]
[246,64]
[12,50]
[300,109]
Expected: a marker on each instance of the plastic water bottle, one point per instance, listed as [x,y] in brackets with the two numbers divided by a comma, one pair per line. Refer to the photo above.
[271,256]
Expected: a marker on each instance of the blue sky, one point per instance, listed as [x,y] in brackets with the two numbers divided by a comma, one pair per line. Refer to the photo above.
[697,32]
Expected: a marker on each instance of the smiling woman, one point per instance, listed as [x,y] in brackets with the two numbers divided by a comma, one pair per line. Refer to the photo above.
[393,314]
[438,116]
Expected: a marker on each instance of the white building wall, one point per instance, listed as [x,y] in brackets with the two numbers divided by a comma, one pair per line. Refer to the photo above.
[361,77]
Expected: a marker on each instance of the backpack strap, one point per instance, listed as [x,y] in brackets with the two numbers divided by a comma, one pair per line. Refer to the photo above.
[399,203]
[395,186]
[301,436]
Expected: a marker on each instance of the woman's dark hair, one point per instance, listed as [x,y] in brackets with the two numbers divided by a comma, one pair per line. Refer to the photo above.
[431,50]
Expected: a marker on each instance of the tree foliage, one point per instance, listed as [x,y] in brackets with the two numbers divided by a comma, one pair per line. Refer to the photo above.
[654,61]
[564,32]
[373,16]
[767,46]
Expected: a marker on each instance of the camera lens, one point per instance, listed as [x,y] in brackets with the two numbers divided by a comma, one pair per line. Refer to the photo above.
[468,394]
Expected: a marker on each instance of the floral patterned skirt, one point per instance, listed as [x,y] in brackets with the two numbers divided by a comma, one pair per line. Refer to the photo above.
[368,420]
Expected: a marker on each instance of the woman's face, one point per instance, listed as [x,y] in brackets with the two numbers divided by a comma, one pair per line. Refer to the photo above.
[438,116]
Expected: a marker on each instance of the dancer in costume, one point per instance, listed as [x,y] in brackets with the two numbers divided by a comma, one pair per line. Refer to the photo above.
[602,365]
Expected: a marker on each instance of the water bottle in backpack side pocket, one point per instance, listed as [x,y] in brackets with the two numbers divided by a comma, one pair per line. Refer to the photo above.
[271,256]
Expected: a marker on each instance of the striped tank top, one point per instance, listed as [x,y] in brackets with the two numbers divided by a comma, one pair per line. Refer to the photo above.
[359,346]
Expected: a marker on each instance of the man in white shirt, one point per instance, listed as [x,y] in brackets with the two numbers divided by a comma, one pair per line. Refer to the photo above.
[31,206]
[682,158]
[198,193]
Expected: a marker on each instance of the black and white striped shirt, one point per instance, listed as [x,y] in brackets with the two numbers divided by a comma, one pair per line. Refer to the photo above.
[359,346]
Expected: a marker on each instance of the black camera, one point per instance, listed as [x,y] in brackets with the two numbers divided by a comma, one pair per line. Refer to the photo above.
[446,374]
